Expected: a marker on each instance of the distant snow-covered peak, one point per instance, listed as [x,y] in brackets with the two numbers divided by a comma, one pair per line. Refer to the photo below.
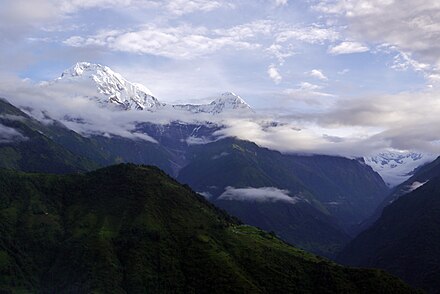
[225,103]
[231,99]
[395,167]
[228,101]
[106,86]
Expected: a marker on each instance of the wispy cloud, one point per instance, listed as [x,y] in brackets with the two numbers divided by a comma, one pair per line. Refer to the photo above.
[274,74]
[183,42]
[263,194]
[186,41]
[180,7]
[280,2]
[348,48]
[316,73]
[9,135]
[411,28]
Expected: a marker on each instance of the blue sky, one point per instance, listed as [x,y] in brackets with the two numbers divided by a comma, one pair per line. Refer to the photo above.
[331,63]
[201,48]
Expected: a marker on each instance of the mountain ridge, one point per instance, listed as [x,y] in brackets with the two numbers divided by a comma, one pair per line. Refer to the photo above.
[112,88]
[133,229]
[403,240]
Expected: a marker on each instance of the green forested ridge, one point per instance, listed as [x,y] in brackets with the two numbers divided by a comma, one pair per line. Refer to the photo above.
[340,192]
[131,229]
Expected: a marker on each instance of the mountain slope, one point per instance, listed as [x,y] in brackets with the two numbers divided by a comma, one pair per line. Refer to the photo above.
[397,167]
[227,102]
[52,147]
[334,193]
[106,87]
[109,89]
[128,229]
[405,239]
[350,190]
[421,175]
[31,149]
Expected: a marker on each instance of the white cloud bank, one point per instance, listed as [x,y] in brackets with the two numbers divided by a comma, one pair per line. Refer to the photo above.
[274,74]
[410,27]
[350,127]
[263,194]
[188,42]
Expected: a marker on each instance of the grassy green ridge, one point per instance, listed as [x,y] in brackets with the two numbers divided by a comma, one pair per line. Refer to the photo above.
[131,229]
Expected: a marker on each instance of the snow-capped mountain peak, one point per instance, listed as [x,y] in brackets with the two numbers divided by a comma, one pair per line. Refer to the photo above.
[225,103]
[395,167]
[107,86]
[228,101]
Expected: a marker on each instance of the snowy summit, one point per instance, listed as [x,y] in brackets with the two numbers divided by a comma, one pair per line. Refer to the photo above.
[103,85]
[396,167]
[108,86]
[227,102]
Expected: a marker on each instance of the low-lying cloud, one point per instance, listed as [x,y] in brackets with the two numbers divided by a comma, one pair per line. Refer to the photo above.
[415,186]
[263,194]
[347,127]
[10,135]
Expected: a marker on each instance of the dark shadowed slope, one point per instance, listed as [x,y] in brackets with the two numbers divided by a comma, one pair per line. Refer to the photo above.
[335,192]
[405,239]
[422,175]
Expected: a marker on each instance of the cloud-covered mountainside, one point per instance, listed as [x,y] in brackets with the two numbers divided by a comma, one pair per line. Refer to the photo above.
[91,98]
[354,78]
[323,196]
[25,145]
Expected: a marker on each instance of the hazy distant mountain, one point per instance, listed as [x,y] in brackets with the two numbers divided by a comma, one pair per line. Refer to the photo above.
[420,177]
[397,167]
[109,88]
[333,193]
[227,102]
[327,196]
[337,192]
